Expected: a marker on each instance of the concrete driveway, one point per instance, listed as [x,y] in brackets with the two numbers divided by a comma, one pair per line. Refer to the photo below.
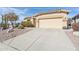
[42,40]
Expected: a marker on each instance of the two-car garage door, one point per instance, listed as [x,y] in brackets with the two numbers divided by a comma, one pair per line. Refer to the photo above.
[50,23]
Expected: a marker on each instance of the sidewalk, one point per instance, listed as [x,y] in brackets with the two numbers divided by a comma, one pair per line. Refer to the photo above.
[4,47]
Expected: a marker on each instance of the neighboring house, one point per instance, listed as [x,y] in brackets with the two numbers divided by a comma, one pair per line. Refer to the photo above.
[52,19]
[76,19]
[75,25]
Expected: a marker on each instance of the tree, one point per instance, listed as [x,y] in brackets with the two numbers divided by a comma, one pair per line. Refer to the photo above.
[12,17]
[4,22]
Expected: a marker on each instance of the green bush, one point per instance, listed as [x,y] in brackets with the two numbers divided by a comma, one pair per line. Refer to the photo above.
[17,24]
[21,27]
[27,23]
[64,27]
[5,26]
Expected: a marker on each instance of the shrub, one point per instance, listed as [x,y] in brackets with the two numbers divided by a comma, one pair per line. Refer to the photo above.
[27,23]
[21,27]
[5,26]
[64,27]
[17,24]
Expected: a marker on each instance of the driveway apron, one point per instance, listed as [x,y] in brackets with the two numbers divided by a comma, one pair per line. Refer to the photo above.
[42,40]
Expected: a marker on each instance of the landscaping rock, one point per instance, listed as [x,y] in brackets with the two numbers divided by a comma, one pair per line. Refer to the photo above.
[5,36]
[76,33]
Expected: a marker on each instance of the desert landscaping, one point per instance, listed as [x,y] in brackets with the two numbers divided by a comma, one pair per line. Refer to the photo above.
[46,31]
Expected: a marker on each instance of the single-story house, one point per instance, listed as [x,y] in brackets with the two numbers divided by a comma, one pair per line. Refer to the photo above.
[76,19]
[52,19]
[75,24]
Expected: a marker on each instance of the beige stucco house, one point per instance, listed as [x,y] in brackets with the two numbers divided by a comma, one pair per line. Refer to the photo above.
[51,19]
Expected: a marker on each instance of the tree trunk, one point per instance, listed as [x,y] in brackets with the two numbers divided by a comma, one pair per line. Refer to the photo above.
[2,22]
[15,23]
[6,23]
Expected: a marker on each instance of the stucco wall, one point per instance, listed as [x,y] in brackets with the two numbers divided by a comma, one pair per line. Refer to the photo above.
[54,20]
[53,15]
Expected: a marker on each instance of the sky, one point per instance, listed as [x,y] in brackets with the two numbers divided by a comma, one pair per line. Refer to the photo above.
[23,12]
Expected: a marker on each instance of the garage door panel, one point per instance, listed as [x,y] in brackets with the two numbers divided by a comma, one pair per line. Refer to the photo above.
[50,23]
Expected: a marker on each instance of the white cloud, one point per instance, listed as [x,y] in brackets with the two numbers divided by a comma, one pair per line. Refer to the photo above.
[20,13]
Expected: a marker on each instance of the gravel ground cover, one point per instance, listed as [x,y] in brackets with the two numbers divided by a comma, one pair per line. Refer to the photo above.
[73,38]
[5,36]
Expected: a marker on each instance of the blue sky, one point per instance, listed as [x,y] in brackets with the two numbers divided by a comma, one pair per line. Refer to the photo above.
[23,12]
